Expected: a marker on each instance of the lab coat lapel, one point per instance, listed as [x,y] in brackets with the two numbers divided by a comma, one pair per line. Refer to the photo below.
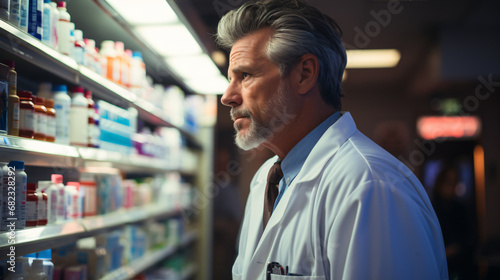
[256,215]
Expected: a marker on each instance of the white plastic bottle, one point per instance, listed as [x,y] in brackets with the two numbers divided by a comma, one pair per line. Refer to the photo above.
[54,20]
[112,62]
[48,266]
[78,118]
[23,15]
[62,103]
[57,179]
[72,201]
[14,12]
[79,49]
[52,191]
[36,271]
[47,22]
[16,170]
[42,204]
[64,29]
[5,10]
[137,71]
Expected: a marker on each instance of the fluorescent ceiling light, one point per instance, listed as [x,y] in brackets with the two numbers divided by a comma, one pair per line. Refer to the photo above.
[383,58]
[144,12]
[208,84]
[170,40]
[193,67]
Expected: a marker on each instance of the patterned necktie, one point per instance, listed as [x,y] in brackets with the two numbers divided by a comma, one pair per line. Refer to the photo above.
[272,190]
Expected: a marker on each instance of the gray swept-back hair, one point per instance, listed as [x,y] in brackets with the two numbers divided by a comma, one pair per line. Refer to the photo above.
[298,29]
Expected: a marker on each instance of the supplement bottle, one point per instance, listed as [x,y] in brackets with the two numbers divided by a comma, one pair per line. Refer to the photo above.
[26,114]
[40,119]
[57,179]
[42,205]
[62,103]
[31,206]
[51,121]
[52,191]
[13,111]
[78,118]
[64,29]
[14,12]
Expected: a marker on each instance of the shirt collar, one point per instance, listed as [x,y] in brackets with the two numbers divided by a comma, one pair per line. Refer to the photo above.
[295,159]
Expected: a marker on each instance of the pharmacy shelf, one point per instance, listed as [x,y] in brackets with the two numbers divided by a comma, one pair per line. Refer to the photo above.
[150,259]
[36,239]
[46,154]
[22,45]
[38,153]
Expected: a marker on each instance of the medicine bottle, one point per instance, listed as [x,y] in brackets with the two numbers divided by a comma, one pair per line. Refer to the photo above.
[40,119]
[18,178]
[26,114]
[51,121]
[13,111]
[43,201]
[31,206]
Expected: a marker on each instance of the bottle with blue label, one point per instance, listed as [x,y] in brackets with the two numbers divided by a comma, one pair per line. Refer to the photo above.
[35,12]
[23,15]
[14,17]
[47,22]
[4,97]
[62,103]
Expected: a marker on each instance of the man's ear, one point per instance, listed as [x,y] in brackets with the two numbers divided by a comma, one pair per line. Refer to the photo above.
[309,71]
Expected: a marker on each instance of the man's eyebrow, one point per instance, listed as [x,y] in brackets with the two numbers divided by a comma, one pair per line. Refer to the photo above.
[237,69]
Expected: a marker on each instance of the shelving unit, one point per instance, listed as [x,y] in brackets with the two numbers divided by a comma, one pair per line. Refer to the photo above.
[35,239]
[151,259]
[24,48]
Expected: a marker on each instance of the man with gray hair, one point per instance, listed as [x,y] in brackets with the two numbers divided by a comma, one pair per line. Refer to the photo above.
[331,204]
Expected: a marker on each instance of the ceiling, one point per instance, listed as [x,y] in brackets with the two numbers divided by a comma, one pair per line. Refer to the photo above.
[415,28]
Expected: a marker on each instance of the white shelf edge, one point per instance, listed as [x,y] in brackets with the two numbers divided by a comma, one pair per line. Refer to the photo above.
[84,227]
[139,265]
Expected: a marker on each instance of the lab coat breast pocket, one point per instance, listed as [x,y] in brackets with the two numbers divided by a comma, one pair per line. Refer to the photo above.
[237,276]
[284,277]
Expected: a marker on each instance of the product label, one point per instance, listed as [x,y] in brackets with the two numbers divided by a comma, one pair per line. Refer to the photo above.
[42,209]
[14,12]
[40,123]
[61,210]
[46,28]
[51,126]
[62,122]
[52,206]
[15,115]
[26,120]
[32,211]
[78,117]
[24,15]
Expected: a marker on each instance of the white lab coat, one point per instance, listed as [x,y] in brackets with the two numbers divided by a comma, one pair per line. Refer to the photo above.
[352,212]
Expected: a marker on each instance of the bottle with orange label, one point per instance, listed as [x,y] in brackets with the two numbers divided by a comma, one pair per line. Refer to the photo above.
[112,68]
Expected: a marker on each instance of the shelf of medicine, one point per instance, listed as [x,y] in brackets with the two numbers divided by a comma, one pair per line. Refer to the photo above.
[151,258]
[36,239]
[46,154]
[27,47]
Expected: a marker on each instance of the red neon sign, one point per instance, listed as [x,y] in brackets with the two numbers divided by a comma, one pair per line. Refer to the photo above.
[448,127]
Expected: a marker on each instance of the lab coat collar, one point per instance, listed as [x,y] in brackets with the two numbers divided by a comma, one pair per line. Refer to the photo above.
[323,151]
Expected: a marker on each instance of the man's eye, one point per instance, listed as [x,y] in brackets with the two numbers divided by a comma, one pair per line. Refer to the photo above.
[244,75]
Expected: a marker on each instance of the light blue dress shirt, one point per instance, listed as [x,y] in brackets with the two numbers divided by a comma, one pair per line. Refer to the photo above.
[295,159]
